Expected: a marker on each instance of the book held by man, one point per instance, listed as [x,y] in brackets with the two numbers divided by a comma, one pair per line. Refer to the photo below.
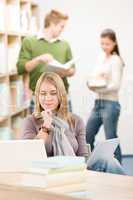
[67,65]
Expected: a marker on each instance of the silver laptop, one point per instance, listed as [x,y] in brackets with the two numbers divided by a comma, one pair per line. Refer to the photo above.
[17,155]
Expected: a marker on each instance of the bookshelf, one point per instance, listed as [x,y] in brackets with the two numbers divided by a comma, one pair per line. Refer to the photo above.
[18,19]
[3,50]
[2,15]
[13,47]
[34,17]
[13,15]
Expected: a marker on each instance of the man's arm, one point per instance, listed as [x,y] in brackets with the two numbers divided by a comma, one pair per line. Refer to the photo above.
[42,59]
[72,70]
[26,63]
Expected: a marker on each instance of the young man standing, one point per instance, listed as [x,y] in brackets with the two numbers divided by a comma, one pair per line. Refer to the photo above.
[38,51]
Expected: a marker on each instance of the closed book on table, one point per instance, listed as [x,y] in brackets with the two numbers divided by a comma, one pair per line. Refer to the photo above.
[48,173]
[42,180]
[59,164]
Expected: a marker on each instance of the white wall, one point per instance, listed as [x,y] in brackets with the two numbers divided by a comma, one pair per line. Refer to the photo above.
[87,19]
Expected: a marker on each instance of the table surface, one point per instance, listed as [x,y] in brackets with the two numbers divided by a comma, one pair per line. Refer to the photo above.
[21,193]
[98,186]
[104,186]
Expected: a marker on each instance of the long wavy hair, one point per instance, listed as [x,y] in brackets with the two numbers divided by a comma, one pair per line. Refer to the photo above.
[62,110]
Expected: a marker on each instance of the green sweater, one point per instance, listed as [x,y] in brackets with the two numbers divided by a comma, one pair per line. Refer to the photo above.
[33,47]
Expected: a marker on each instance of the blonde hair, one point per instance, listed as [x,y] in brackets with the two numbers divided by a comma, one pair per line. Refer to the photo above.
[54,79]
[54,16]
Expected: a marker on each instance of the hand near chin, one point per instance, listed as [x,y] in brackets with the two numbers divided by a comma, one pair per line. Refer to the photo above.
[47,118]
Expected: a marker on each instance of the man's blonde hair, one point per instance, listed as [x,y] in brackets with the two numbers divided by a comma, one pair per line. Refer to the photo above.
[54,16]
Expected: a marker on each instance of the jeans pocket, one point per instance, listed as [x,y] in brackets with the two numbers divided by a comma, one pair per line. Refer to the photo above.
[117,107]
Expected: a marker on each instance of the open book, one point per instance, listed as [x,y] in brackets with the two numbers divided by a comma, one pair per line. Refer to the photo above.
[97,83]
[55,63]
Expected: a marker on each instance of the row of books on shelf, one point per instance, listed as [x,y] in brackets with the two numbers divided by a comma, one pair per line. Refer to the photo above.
[18,18]
[13,132]
[5,99]
[5,133]
[3,53]
[13,13]
[9,55]
[2,18]
[12,54]
[17,94]
[12,97]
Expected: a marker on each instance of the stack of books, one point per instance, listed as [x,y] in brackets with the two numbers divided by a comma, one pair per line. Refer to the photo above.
[62,170]
[52,174]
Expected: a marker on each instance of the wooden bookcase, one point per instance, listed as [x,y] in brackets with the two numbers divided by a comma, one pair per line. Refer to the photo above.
[18,19]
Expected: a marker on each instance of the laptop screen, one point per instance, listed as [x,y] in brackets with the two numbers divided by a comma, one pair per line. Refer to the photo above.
[16,155]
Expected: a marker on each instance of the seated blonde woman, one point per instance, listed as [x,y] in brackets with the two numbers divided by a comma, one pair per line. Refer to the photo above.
[63,132]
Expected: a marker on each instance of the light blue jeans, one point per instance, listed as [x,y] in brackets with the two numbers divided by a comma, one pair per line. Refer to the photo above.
[104,113]
[110,165]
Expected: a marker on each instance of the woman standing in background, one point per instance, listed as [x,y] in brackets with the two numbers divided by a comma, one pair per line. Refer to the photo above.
[107,108]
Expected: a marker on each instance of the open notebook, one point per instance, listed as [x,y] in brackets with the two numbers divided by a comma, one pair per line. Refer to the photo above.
[97,83]
[55,63]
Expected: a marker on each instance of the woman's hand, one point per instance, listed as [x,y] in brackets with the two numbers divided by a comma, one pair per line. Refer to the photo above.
[42,134]
[103,76]
[47,117]
[90,88]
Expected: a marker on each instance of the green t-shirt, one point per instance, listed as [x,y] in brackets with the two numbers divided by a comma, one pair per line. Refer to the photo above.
[33,47]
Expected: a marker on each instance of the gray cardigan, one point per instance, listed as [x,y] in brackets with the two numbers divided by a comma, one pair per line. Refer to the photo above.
[75,135]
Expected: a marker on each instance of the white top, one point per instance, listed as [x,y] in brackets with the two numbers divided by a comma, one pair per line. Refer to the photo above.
[113,67]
